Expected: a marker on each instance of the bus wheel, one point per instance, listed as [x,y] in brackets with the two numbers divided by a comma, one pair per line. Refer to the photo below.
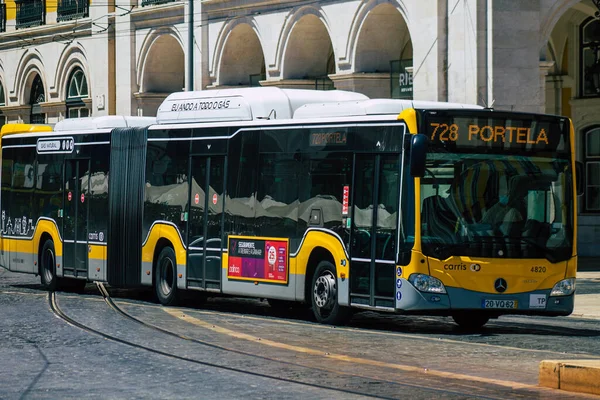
[48,266]
[324,296]
[471,321]
[166,277]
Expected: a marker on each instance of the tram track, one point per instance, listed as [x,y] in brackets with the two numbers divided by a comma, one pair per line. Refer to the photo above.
[54,306]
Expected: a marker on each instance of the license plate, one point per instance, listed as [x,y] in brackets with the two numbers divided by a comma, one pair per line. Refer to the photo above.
[499,304]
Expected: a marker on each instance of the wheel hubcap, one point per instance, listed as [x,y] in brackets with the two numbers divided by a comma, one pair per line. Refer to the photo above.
[48,265]
[166,281]
[325,290]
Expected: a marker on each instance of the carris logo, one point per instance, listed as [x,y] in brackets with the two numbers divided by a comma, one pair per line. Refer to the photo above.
[475,267]
[455,267]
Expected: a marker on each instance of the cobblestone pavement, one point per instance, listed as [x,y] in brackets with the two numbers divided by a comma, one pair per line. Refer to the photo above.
[387,356]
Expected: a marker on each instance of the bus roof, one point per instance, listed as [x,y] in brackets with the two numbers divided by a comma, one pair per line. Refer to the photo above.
[12,129]
[372,107]
[244,104]
[105,122]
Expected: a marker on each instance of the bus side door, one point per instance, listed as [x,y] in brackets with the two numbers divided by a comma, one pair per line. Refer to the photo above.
[75,218]
[205,223]
[374,231]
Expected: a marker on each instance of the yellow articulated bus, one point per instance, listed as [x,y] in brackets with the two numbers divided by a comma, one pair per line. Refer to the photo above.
[325,198]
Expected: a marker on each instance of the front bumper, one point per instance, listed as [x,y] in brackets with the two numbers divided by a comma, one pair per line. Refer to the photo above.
[409,300]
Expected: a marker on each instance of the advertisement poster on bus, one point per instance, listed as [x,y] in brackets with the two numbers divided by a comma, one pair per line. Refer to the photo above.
[258,259]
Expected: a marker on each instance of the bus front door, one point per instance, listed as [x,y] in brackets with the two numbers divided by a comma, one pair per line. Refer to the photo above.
[374,232]
[205,223]
[75,218]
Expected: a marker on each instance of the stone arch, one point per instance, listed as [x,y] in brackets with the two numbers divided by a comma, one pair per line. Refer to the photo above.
[384,36]
[29,65]
[239,54]
[308,46]
[72,57]
[551,54]
[553,11]
[362,16]
[161,64]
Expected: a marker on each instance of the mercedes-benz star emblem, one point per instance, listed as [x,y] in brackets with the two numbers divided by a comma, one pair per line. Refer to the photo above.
[500,285]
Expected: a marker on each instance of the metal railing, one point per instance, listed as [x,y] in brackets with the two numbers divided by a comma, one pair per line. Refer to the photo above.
[30,13]
[72,9]
[155,2]
[2,17]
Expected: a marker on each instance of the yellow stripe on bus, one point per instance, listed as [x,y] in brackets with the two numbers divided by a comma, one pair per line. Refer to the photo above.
[168,232]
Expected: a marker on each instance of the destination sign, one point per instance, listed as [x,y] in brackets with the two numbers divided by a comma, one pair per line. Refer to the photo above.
[60,145]
[328,138]
[523,133]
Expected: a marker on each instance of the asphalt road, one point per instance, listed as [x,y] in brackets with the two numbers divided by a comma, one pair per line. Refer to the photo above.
[241,348]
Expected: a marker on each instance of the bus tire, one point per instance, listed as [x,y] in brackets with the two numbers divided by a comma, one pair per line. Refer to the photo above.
[323,294]
[48,266]
[471,321]
[165,278]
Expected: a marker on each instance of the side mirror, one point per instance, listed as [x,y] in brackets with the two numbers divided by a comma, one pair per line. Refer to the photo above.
[418,155]
[579,177]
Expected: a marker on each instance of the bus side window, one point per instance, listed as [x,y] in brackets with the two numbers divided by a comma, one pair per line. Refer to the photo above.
[324,178]
[277,206]
[49,185]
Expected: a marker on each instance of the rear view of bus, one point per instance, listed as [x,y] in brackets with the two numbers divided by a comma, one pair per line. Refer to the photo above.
[495,223]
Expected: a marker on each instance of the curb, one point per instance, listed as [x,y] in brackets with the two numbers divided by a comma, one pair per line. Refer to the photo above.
[581,376]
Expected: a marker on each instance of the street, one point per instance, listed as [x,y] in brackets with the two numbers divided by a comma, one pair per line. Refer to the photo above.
[130,347]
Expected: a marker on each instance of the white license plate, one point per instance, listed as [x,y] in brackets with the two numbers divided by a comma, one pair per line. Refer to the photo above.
[499,304]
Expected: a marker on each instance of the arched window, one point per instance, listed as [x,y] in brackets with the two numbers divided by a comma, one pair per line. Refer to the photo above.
[37,97]
[592,169]
[590,57]
[77,90]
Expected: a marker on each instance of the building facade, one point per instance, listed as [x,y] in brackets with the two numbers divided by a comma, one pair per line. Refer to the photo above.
[68,58]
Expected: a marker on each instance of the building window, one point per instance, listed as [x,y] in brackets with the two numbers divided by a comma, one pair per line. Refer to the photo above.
[30,13]
[72,9]
[155,2]
[76,92]
[590,58]
[324,82]
[37,97]
[3,17]
[592,169]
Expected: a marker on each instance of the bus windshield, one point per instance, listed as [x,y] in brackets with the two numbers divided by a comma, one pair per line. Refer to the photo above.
[489,205]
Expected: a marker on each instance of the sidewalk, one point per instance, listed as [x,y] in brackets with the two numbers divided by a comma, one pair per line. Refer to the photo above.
[581,376]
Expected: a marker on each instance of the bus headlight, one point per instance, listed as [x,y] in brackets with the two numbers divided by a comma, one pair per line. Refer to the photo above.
[426,283]
[565,287]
